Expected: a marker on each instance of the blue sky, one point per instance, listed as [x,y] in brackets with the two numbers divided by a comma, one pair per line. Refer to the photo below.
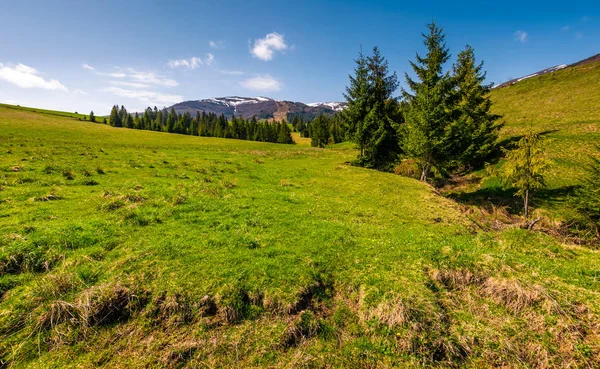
[84,55]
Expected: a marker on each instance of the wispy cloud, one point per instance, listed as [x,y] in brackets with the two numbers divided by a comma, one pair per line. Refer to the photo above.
[216,44]
[264,83]
[109,74]
[521,36]
[579,35]
[25,76]
[149,98]
[565,28]
[129,84]
[192,63]
[135,76]
[584,19]
[264,48]
[231,72]
[150,78]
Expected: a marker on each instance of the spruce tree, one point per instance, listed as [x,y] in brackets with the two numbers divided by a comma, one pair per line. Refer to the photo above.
[429,116]
[172,120]
[357,104]
[115,118]
[525,167]
[478,127]
[382,146]
[319,131]
[92,117]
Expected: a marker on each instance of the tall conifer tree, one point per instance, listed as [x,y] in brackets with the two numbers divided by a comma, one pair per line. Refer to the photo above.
[430,110]
[478,126]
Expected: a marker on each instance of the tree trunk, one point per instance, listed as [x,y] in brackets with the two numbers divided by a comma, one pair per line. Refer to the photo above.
[425,173]
[526,203]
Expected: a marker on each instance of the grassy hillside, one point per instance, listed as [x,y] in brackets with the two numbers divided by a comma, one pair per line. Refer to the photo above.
[125,248]
[565,107]
[47,112]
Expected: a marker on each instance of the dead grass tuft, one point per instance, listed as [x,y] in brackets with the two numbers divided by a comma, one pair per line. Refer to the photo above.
[110,303]
[455,279]
[512,294]
[58,313]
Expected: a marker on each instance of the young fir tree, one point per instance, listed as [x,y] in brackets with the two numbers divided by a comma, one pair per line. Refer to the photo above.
[357,108]
[285,134]
[115,118]
[171,120]
[525,167]
[128,121]
[319,131]
[478,127]
[430,109]
[381,122]
[92,117]
[587,201]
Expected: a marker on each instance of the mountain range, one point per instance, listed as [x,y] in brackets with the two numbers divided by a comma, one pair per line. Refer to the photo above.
[260,107]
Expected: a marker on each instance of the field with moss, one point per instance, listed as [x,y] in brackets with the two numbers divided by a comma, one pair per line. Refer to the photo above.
[127,248]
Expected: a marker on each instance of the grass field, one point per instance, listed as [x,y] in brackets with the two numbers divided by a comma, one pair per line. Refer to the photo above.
[125,248]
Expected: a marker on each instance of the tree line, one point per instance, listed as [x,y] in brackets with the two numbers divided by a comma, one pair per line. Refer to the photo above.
[203,124]
[323,130]
[443,121]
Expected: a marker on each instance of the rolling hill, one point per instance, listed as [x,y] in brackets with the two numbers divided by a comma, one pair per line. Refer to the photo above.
[128,248]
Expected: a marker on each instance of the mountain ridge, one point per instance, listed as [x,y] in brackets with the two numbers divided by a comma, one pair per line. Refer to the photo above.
[260,107]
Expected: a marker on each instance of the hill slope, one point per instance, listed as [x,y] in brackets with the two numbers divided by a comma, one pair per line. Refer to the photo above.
[125,248]
[564,106]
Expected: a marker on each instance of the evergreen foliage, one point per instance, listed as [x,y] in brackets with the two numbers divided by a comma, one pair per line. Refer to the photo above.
[203,124]
[372,115]
[92,117]
[479,126]
[525,167]
[319,132]
[431,135]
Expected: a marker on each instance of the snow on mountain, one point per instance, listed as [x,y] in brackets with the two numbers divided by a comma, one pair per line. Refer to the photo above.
[335,106]
[544,71]
[233,101]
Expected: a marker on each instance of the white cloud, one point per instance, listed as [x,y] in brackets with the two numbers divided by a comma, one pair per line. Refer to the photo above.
[264,83]
[579,35]
[520,36]
[264,48]
[149,98]
[79,92]
[192,63]
[231,72]
[216,44]
[25,76]
[150,78]
[128,84]
[565,28]
[145,78]
[113,74]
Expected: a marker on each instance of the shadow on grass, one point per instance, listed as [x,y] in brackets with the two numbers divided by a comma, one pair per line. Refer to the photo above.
[499,196]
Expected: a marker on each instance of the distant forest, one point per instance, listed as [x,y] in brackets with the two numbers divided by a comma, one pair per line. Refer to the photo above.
[203,124]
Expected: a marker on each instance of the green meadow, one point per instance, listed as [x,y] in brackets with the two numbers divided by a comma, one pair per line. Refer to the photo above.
[128,248]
